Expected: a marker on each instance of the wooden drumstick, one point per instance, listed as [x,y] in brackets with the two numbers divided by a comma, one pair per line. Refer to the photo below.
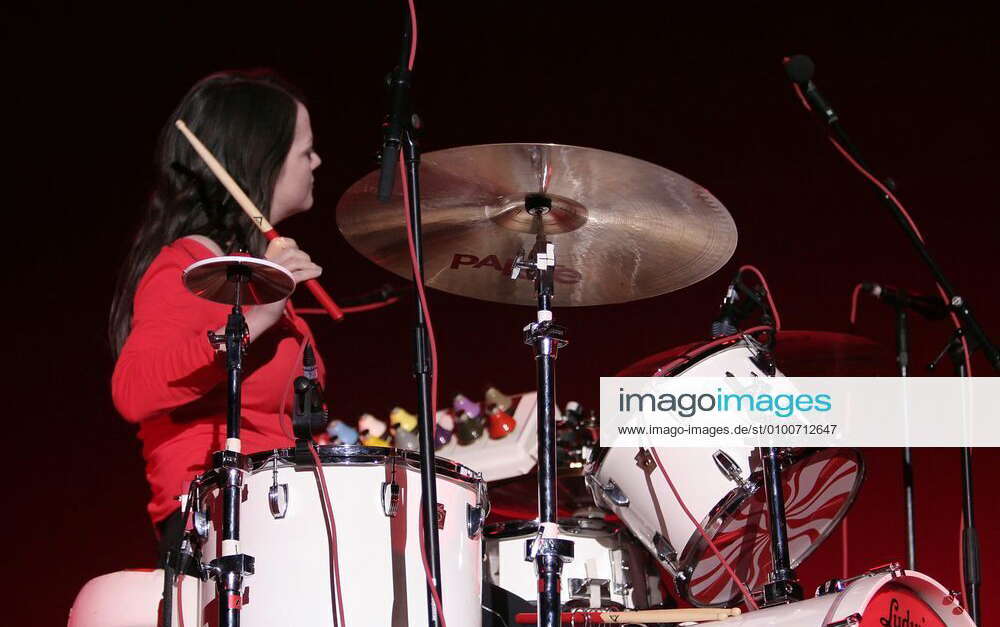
[253,212]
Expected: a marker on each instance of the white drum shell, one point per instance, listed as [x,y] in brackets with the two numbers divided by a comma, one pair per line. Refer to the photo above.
[606,554]
[836,607]
[381,569]
[650,499]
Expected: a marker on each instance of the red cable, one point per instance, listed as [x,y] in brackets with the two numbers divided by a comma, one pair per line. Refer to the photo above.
[418,280]
[751,604]
[332,535]
[909,220]
[413,37]
[767,290]
[427,572]
[307,311]
[854,303]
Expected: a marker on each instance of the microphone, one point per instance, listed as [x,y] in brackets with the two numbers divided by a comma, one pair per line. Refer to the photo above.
[309,369]
[800,70]
[930,307]
[399,116]
[725,324]
[309,416]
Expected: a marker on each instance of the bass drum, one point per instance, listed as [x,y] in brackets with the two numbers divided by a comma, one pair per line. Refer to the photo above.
[723,489]
[375,496]
[879,599]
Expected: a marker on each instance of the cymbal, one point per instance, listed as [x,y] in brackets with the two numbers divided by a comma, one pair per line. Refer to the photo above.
[623,229]
[829,354]
[266,281]
[799,354]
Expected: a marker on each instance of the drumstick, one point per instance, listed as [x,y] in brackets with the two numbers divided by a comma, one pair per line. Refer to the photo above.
[253,212]
[637,616]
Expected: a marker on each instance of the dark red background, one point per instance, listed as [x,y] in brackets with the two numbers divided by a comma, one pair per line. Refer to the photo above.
[700,91]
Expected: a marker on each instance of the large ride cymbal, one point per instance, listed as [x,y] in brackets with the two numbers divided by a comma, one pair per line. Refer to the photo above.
[623,229]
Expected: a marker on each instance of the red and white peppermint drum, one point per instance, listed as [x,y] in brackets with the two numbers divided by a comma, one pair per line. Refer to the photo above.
[723,489]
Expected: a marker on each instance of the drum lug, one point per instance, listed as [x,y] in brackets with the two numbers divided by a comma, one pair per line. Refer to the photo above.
[390,498]
[199,521]
[830,587]
[645,461]
[475,516]
[277,495]
[664,550]
[851,621]
[580,588]
[762,357]
[729,468]
[613,493]
[277,500]
[621,575]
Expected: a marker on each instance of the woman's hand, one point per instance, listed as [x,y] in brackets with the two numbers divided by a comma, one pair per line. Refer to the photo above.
[286,253]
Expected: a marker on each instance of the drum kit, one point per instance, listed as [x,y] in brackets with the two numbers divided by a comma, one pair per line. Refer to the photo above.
[333,535]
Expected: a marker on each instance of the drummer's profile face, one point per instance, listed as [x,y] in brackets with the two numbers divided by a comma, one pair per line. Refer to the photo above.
[293,190]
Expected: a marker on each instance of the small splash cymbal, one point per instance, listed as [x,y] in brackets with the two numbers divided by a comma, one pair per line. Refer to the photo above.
[257,281]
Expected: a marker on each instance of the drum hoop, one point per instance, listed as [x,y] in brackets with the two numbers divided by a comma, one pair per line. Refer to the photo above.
[571,526]
[734,499]
[356,455]
[593,465]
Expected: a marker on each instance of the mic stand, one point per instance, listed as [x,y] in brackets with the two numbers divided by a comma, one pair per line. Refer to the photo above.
[903,361]
[547,550]
[957,303]
[977,338]
[970,538]
[400,133]
[231,566]
[422,372]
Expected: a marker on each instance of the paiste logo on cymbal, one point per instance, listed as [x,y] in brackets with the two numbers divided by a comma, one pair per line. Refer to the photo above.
[466,261]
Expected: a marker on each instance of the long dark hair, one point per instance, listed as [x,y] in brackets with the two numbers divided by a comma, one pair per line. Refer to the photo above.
[247,120]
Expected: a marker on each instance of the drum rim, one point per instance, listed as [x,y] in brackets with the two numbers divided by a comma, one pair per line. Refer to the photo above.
[357,455]
[572,526]
[593,465]
[731,502]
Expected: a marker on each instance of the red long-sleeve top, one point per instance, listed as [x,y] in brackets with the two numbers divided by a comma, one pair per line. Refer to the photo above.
[172,382]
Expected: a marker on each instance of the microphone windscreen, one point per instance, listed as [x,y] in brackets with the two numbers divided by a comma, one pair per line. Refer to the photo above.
[800,68]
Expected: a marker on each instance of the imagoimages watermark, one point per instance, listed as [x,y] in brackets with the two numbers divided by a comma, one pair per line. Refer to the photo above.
[800,411]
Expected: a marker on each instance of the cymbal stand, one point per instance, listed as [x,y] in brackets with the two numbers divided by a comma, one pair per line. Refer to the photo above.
[230,464]
[547,550]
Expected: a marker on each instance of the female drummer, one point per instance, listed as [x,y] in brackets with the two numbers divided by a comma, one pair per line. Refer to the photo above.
[168,378]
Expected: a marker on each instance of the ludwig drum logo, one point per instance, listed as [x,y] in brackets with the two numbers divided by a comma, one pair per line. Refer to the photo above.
[897,606]
[466,262]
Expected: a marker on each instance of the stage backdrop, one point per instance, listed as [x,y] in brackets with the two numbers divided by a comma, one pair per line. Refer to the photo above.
[697,90]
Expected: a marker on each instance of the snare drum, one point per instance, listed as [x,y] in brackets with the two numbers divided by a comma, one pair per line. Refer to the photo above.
[609,569]
[891,598]
[723,489]
[375,496]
